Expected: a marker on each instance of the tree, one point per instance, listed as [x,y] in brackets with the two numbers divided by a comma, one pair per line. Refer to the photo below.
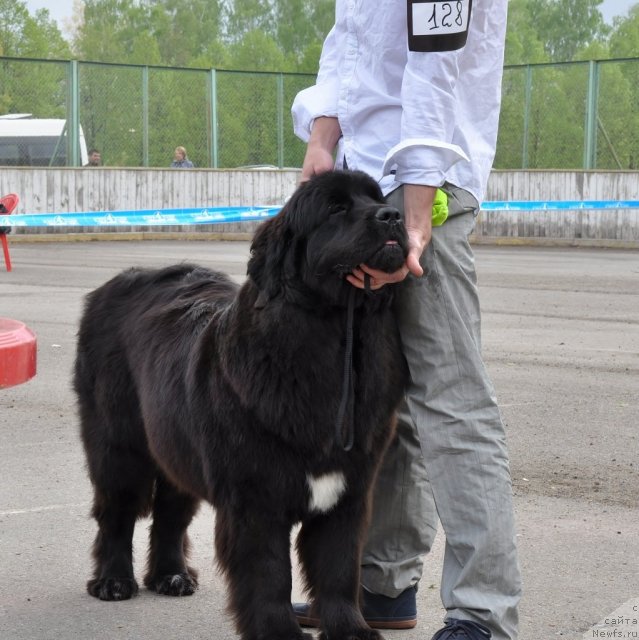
[624,39]
[38,88]
[543,118]
[301,25]
[188,32]
[524,44]
[117,31]
[246,16]
[203,33]
[551,127]
[256,51]
[23,35]
[567,26]
[297,27]
[623,124]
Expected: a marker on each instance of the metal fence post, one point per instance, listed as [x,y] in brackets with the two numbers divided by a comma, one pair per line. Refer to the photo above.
[73,119]
[590,127]
[212,100]
[145,116]
[280,120]
[527,100]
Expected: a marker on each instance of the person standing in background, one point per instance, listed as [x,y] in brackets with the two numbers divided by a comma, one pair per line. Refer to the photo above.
[95,158]
[180,160]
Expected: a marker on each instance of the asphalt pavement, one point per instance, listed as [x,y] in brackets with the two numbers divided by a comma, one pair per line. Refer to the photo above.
[561,340]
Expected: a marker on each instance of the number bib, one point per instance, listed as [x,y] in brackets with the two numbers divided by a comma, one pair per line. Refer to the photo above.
[438,25]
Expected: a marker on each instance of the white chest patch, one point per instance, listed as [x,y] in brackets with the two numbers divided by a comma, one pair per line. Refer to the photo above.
[326,490]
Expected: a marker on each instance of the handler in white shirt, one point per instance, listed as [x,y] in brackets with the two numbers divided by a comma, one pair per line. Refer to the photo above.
[409,91]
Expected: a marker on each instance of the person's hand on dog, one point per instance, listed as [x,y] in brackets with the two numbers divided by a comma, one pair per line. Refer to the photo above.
[319,152]
[418,207]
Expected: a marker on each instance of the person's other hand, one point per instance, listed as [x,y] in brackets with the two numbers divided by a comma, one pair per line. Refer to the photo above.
[418,218]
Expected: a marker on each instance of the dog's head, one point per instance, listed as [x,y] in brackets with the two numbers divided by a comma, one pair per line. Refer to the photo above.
[333,223]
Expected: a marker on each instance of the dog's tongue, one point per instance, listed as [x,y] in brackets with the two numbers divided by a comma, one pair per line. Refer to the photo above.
[391,242]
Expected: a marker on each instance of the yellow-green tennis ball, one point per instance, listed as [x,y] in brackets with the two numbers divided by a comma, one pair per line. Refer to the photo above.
[440,208]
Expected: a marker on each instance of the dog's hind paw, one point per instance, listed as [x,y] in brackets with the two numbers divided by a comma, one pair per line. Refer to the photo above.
[179,584]
[354,634]
[287,636]
[112,588]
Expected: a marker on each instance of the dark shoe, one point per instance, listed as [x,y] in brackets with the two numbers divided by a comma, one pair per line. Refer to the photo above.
[380,612]
[462,630]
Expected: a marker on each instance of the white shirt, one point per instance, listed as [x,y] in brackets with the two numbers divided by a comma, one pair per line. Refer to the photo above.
[409,117]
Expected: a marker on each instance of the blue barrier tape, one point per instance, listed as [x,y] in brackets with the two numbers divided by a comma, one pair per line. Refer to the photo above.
[221,215]
[558,205]
[149,217]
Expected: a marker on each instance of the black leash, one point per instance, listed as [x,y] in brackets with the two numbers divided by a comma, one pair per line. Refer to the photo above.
[345,423]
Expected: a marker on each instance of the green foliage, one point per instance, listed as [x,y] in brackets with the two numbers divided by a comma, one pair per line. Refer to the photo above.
[256,51]
[36,87]
[187,32]
[524,43]
[259,35]
[549,133]
[544,107]
[618,116]
[566,26]
[247,16]
[177,116]
[116,31]
[205,33]
[543,116]
[23,35]
[301,25]
[39,88]
[624,40]
[621,115]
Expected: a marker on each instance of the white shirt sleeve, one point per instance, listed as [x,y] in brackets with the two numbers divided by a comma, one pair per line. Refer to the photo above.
[426,152]
[409,116]
[430,108]
[320,99]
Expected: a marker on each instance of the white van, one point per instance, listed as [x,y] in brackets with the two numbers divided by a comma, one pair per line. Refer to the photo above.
[35,142]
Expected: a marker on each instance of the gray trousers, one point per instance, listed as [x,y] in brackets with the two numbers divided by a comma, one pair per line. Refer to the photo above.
[449,458]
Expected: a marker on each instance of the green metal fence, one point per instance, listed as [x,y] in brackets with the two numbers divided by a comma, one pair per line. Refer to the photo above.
[559,116]
[579,115]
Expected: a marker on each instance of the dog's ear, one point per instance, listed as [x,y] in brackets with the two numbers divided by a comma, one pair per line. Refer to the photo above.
[266,267]
[278,243]
[308,206]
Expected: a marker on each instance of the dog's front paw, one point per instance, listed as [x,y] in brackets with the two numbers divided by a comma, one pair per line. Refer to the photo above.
[179,584]
[282,635]
[112,588]
[361,633]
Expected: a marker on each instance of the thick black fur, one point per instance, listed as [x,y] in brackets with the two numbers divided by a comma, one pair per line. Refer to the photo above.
[191,388]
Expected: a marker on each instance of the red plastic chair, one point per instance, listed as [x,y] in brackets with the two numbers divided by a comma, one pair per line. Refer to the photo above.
[7,204]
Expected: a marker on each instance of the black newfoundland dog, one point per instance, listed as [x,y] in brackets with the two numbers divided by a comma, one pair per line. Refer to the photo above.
[273,401]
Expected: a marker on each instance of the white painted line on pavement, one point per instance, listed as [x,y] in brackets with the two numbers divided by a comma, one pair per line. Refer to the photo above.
[51,507]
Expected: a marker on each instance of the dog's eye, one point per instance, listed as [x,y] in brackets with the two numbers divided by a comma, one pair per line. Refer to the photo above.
[336,209]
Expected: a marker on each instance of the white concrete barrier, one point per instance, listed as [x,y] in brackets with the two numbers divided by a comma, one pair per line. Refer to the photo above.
[62,190]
